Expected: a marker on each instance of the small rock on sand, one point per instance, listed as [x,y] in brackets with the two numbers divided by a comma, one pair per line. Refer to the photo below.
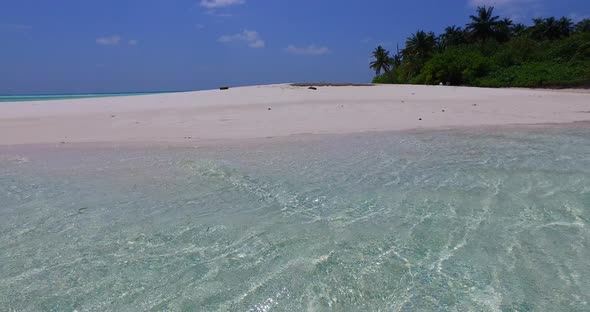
[312,88]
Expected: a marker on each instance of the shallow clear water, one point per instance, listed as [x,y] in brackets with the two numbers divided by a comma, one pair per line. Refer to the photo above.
[439,221]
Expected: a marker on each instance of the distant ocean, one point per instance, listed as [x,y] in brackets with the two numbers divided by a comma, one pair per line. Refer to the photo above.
[47,97]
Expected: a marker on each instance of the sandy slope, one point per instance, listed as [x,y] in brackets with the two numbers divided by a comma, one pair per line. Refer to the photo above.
[243,113]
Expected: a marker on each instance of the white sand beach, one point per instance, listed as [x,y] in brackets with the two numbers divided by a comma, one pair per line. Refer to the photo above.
[282,110]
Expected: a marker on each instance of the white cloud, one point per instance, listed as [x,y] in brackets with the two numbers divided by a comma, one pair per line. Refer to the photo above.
[199,26]
[132,42]
[251,37]
[110,40]
[214,4]
[217,14]
[311,50]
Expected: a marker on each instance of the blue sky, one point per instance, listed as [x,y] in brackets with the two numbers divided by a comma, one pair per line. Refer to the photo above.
[73,46]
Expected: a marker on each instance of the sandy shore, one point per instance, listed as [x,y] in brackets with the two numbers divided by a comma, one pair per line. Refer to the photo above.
[244,113]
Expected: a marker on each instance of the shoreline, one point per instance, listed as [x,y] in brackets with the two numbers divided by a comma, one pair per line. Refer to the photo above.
[282,110]
[302,138]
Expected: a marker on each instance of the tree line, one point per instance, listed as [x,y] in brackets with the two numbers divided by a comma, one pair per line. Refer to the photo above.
[491,51]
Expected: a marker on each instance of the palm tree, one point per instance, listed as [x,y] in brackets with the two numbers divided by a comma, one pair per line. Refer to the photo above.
[396,60]
[504,30]
[564,26]
[551,28]
[518,29]
[484,25]
[420,45]
[583,25]
[452,36]
[539,28]
[382,60]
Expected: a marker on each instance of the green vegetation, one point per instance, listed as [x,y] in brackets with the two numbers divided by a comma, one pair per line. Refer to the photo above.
[493,52]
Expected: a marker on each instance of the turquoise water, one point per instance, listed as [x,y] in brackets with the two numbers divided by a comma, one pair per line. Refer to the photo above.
[47,97]
[434,221]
